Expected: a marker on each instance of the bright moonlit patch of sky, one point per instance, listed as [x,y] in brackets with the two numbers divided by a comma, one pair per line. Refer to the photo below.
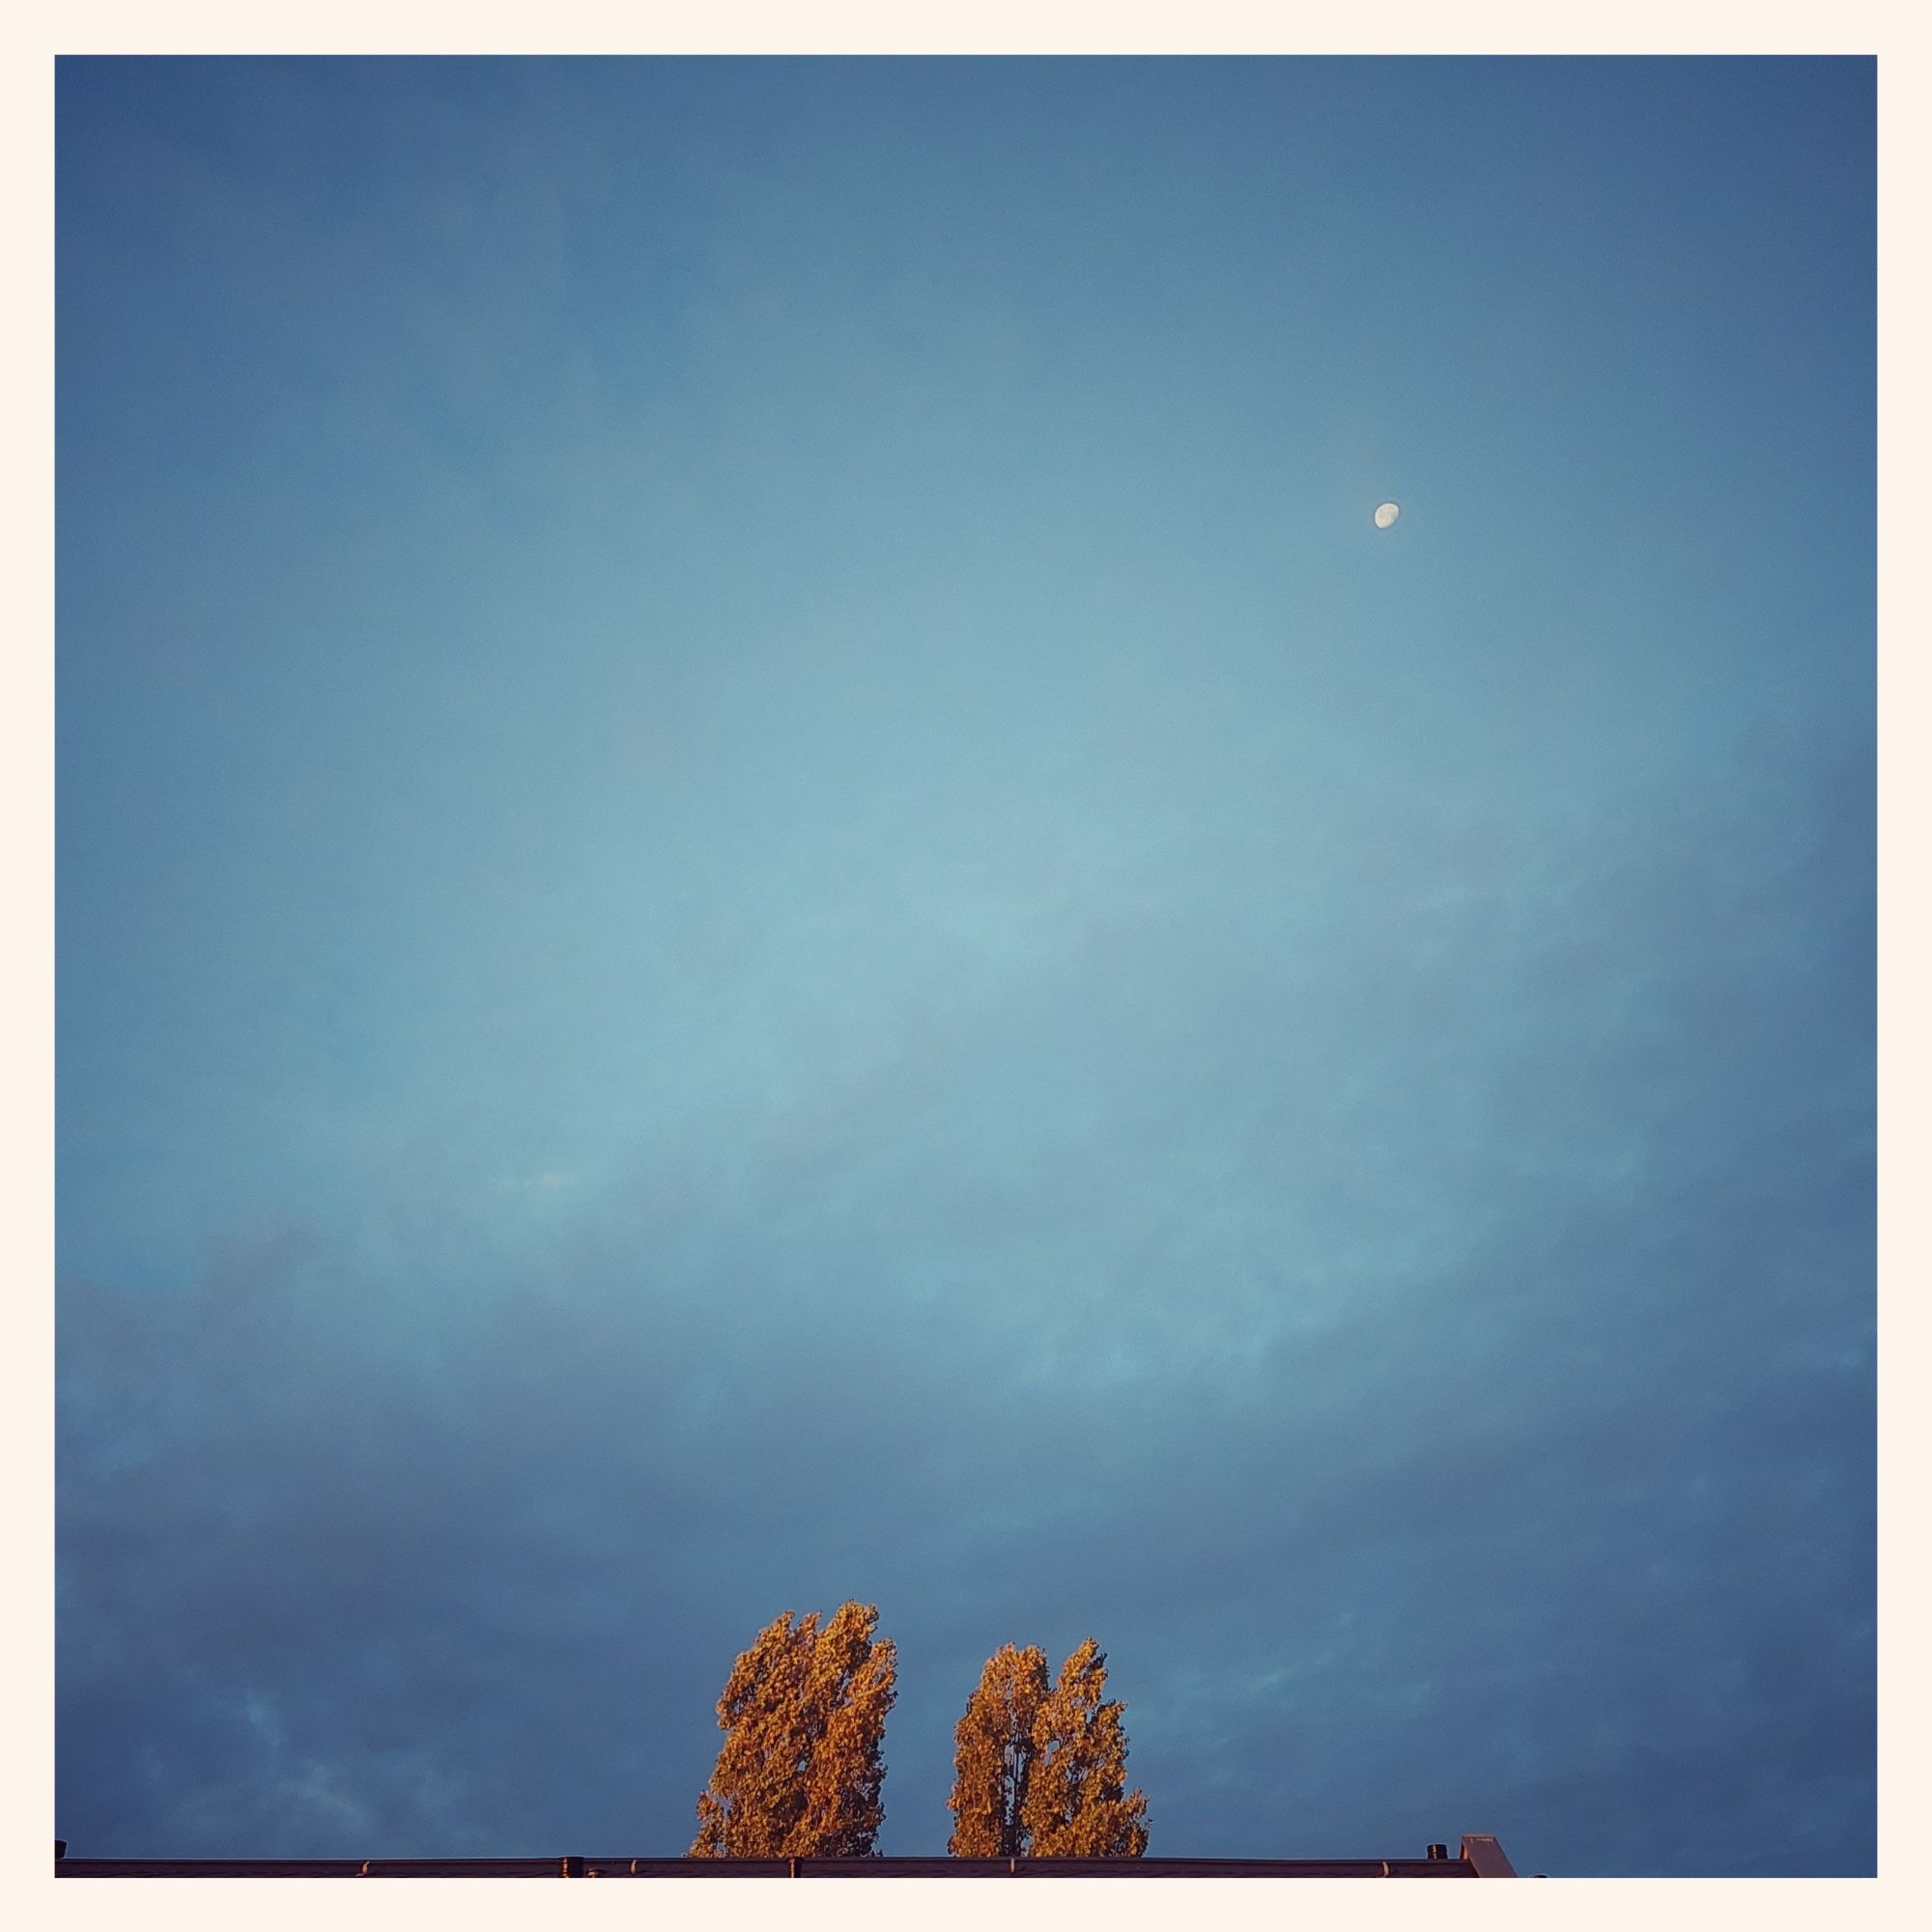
[766,892]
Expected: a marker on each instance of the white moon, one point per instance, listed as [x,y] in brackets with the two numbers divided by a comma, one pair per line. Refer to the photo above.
[1386,515]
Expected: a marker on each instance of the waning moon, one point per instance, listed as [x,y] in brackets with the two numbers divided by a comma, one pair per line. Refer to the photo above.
[1386,515]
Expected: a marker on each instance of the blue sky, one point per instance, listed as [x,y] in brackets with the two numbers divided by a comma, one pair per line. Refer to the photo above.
[767,892]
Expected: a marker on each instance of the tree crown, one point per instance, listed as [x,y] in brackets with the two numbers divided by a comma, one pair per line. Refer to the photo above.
[800,1769]
[1041,1766]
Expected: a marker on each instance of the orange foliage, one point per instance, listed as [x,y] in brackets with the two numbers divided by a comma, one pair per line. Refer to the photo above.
[802,1765]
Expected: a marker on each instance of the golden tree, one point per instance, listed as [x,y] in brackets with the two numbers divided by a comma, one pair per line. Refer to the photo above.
[801,1766]
[1077,1805]
[1040,1767]
[993,1755]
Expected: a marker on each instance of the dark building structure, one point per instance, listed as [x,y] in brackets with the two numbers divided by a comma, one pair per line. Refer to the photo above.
[1479,1857]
